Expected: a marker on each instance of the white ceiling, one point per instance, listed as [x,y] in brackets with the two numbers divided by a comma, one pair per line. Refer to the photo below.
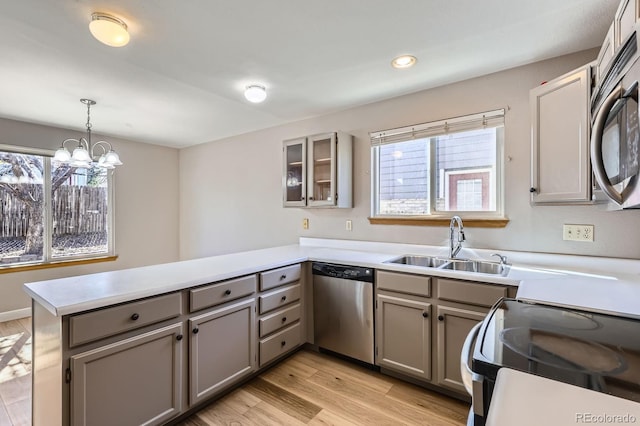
[179,81]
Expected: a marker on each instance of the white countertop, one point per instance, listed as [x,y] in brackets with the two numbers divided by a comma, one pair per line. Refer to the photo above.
[527,400]
[573,281]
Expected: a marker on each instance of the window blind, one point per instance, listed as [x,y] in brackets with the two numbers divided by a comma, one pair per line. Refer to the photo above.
[437,128]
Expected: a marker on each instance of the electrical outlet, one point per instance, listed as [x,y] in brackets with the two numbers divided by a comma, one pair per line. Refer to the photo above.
[582,233]
[348,226]
[305,223]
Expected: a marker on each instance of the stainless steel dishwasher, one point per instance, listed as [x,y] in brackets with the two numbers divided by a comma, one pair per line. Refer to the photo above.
[343,310]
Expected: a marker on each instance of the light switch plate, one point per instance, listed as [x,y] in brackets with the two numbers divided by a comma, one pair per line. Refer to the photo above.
[582,233]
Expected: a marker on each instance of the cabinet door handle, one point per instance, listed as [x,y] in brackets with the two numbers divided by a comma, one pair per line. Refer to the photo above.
[302,198]
[135,317]
[195,330]
[425,314]
[311,198]
[227,292]
[532,190]
[440,318]
[284,319]
[179,337]
[283,343]
[283,277]
[284,298]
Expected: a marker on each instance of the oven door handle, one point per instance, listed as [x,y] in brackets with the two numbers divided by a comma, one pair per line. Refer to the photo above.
[596,146]
[466,356]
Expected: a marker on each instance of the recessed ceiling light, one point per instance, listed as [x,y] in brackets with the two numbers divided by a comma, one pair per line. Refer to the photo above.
[255,93]
[404,61]
[109,30]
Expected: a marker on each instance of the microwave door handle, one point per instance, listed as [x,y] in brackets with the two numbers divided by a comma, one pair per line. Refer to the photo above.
[596,146]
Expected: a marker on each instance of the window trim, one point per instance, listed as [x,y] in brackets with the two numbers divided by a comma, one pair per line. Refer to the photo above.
[495,118]
[48,261]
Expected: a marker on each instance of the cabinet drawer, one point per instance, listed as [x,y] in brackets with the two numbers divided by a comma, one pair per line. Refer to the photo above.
[107,322]
[275,299]
[404,283]
[471,293]
[279,344]
[279,319]
[278,277]
[223,292]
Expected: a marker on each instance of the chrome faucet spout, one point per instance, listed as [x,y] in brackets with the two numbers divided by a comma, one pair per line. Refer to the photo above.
[454,248]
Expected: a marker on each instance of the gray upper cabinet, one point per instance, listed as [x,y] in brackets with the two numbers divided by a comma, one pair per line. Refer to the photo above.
[317,171]
[605,55]
[136,381]
[625,20]
[560,131]
[221,348]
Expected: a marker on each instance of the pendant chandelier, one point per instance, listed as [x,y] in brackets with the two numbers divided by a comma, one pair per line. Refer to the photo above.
[84,155]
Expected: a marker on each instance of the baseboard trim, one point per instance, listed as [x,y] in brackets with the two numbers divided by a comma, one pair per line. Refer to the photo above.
[13,315]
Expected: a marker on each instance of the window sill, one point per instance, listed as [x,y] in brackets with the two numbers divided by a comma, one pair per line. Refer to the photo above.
[32,267]
[439,221]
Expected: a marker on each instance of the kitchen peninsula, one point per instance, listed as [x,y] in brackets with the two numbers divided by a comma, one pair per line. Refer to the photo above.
[160,316]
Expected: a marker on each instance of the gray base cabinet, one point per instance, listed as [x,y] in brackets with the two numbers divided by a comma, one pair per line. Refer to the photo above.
[136,381]
[404,334]
[453,326]
[422,322]
[221,349]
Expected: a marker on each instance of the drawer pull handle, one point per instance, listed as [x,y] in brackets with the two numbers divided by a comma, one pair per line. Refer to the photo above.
[284,298]
[284,319]
[283,343]
[135,317]
[440,318]
[195,330]
[179,337]
[425,314]
[227,292]
[283,277]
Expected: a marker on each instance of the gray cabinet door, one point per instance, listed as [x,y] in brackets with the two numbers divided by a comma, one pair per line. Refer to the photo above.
[560,129]
[136,381]
[221,349]
[453,326]
[403,335]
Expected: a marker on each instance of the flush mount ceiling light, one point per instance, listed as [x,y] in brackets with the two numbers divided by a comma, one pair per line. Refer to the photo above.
[83,155]
[255,93]
[404,61]
[109,30]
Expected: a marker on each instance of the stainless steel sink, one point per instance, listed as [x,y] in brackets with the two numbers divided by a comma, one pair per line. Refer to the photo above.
[418,260]
[466,265]
[478,266]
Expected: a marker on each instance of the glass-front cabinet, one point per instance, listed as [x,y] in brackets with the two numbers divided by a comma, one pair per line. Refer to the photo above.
[295,172]
[318,171]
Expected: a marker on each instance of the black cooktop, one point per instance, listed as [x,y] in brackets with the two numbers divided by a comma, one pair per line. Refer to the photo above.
[591,350]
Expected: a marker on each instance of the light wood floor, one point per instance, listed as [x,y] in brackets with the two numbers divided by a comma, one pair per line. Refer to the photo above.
[15,372]
[307,388]
[315,389]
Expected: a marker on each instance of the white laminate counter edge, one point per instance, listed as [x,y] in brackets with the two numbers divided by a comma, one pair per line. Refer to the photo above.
[75,294]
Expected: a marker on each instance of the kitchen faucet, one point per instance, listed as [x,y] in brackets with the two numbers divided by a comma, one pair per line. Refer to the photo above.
[453,251]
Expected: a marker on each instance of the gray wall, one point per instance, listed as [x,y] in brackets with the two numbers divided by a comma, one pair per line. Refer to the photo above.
[230,190]
[146,207]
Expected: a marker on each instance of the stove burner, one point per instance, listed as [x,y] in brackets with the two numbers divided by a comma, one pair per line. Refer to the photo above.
[560,318]
[562,351]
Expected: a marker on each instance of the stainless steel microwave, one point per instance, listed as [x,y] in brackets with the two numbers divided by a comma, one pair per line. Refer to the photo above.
[615,134]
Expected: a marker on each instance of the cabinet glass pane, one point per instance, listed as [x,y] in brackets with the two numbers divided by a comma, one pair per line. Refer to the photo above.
[322,170]
[295,176]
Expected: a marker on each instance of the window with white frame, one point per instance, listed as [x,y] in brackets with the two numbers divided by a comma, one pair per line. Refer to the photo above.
[440,168]
[51,212]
